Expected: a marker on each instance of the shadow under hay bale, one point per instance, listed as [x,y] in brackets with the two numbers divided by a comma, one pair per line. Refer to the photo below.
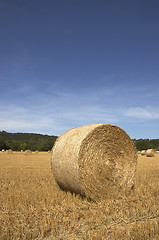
[98,161]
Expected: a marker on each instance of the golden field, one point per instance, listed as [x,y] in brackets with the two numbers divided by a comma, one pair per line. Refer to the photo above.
[33,207]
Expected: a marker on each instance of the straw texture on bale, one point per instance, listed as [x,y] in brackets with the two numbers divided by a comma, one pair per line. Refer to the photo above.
[150,153]
[97,161]
[143,152]
[28,152]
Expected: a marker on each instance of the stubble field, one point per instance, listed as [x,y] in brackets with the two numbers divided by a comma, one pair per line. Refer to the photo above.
[33,207]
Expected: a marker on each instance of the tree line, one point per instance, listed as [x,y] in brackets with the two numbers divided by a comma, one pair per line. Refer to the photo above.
[33,141]
[24,141]
[144,144]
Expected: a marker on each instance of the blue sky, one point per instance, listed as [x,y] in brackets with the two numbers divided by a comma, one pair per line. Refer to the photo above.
[68,63]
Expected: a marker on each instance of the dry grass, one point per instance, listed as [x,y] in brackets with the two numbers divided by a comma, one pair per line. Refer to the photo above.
[33,206]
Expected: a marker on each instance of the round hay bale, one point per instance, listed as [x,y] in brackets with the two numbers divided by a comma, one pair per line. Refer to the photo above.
[98,161]
[150,153]
[138,152]
[9,151]
[143,152]
[28,152]
[36,151]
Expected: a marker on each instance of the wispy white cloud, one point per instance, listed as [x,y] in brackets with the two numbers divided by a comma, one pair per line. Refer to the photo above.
[53,114]
[147,113]
[56,111]
[15,118]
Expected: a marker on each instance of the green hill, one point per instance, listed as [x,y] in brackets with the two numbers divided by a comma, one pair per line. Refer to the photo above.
[144,144]
[23,141]
[33,141]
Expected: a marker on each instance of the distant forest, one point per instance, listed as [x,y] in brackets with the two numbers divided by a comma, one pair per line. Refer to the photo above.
[24,141]
[33,141]
[144,144]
